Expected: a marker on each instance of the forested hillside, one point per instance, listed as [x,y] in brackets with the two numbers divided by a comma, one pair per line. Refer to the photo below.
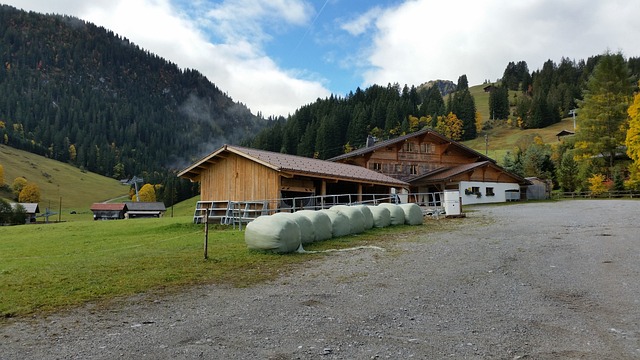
[79,93]
[521,99]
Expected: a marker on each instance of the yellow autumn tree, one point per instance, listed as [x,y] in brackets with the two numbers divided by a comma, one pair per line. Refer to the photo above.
[18,184]
[633,133]
[478,122]
[147,193]
[30,193]
[1,175]
[449,126]
[72,152]
[597,185]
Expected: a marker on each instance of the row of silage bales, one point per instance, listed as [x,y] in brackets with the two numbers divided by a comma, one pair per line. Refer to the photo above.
[323,230]
[355,215]
[381,216]
[307,231]
[396,213]
[412,214]
[368,216]
[288,232]
[279,234]
[339,223]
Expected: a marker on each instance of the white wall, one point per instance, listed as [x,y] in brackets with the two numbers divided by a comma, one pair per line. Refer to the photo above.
[498,189]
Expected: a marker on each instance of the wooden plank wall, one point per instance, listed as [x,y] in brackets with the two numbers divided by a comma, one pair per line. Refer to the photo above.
[236,178]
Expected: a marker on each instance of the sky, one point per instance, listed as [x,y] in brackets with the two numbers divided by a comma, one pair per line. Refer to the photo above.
[277,55]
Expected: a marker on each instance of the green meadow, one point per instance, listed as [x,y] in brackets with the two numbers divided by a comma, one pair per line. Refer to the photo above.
[51,267]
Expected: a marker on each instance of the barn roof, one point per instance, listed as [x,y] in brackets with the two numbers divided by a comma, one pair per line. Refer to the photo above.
[145,206]
[30,208]
[447,173]
[399,139]
[293,164]
[108,207]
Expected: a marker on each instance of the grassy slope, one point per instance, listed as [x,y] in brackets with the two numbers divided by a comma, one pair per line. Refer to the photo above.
[503,138]
[55,179]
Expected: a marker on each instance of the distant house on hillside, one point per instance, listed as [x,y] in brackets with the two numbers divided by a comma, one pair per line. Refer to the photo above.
[104,211]
[489,88]
[144,209]
[564,133]
[31,210]
[433,163]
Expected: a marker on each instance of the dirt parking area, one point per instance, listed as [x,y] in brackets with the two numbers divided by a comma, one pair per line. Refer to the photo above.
[557,280]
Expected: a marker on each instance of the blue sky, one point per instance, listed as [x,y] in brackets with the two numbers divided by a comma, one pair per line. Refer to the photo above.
[277,55]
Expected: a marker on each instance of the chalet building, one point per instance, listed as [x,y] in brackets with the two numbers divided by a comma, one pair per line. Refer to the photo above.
[235,173]
[430,162]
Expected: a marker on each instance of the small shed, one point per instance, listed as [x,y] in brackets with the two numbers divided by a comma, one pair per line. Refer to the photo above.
[145,209]
[540,189]
[31,210]
[564,133]
[104,211]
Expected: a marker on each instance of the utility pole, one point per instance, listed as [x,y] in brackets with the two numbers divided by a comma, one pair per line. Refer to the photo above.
[573,113]
[486,144]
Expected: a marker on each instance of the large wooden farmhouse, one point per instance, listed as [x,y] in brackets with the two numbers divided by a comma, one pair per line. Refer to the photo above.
[235,173]
[430,162]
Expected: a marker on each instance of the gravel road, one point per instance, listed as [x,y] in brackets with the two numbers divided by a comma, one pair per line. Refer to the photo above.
[524,281]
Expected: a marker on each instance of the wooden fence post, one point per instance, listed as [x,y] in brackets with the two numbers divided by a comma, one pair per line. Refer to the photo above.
[206,234]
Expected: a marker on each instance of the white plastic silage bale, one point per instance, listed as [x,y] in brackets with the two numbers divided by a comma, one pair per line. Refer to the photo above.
[339,223]
[356,217]
[307,231]
[381,216]
[397,214]
[368,216]
[412,214]
[321,224]
[273,233]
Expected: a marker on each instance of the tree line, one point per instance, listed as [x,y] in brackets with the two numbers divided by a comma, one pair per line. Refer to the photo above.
[328,127]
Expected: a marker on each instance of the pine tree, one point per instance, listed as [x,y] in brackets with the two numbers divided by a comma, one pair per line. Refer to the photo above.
[603,112]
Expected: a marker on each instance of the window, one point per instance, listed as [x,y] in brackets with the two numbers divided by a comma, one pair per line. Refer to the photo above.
[475,190]
[409,147]
[490,192]
[427,148]
[413,169]
[377,166]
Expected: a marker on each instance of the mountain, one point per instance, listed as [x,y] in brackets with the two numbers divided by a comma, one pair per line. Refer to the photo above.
[446,87]
[78,93]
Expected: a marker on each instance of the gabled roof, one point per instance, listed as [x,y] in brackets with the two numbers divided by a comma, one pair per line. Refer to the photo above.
[30,208]
[385,143]
[108,207]
[145,206]
[293,164]
[446,173]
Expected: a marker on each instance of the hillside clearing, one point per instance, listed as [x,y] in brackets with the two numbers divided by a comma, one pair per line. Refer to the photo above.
[58,181]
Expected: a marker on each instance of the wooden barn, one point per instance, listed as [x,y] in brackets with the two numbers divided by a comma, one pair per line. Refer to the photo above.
[104,211]
[31,210]
[431,162]
[238,173]
[144,209]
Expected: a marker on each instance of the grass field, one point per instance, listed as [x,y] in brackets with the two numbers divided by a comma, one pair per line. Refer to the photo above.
[59,181]
[503,138]
[49,267]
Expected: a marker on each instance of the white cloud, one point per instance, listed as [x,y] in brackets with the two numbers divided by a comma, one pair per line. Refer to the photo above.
[235,61]
[424,39]
[362,23]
